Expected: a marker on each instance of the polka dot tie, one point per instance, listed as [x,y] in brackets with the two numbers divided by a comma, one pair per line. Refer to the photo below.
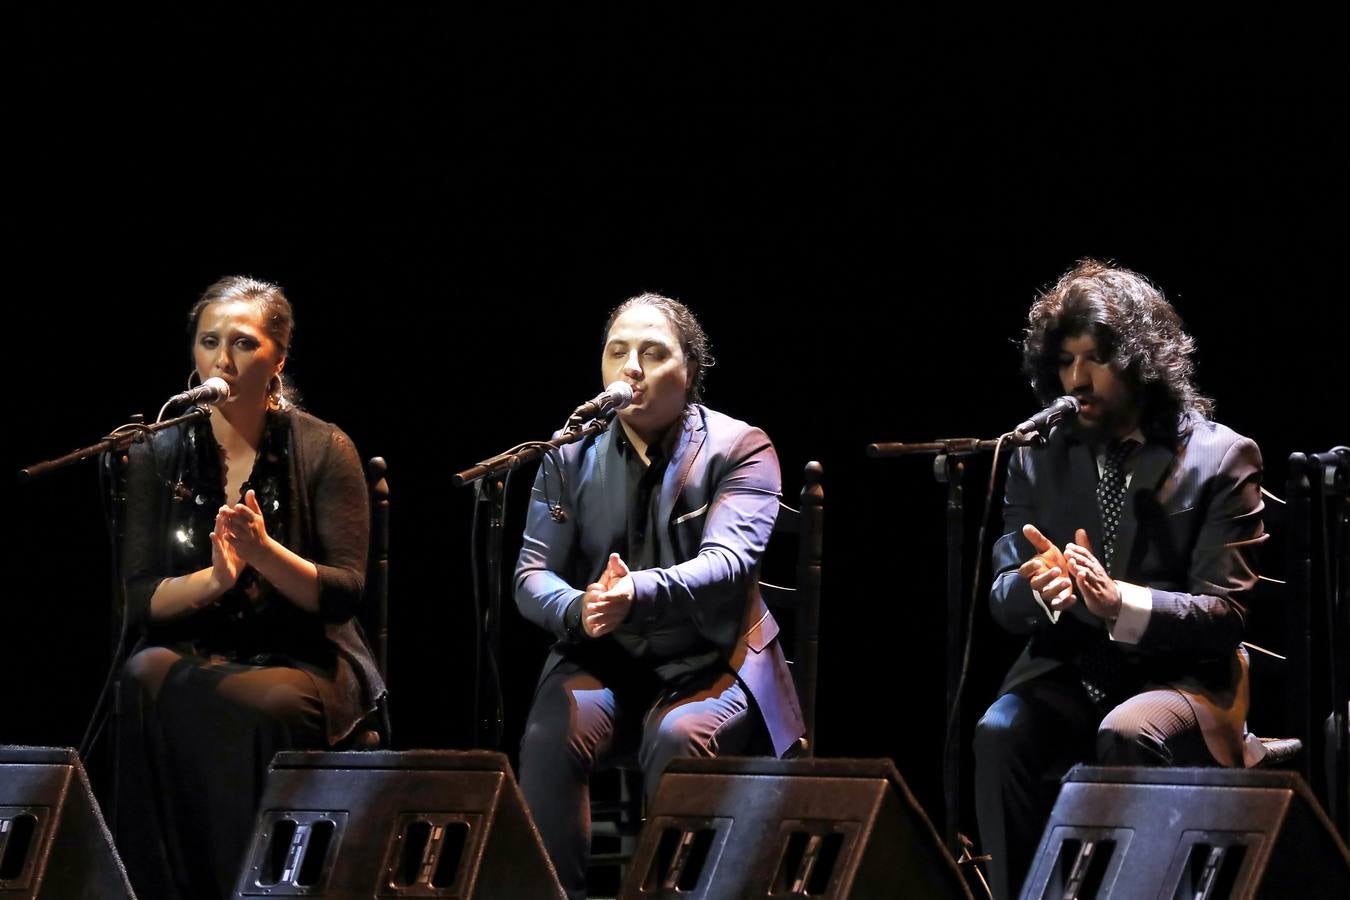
[1111,497]
[1099,662]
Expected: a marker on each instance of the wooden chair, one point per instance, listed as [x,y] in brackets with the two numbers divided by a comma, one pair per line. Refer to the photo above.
[1273,621]
[373,619]
[802,599]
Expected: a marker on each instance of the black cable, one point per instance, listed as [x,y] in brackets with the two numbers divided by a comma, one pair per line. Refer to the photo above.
[499,717]
[99,717]
[107,486]
[478,624]
[482,646]
[952,712]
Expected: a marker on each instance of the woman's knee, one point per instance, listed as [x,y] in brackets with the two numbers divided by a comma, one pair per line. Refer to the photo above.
[286,697]
[148,668]
[292,704]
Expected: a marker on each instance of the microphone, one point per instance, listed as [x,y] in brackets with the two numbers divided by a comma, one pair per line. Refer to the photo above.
[615,397]
[1040,424]
[211,391]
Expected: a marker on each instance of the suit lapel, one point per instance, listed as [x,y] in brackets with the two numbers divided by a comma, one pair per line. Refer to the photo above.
[1083,510]
[1150,465]
[682,458]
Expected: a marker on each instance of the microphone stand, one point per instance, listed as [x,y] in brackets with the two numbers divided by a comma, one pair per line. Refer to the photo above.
[489,480]
[111,447]
[1319,552]
[949,468]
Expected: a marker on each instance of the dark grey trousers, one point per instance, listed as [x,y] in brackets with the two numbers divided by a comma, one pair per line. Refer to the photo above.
[1032,735]
[582,720]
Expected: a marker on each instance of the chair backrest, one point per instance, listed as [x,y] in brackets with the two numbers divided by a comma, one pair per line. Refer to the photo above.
[375,609]
[803,597]
[374,732]
[374,615]
[1277,626]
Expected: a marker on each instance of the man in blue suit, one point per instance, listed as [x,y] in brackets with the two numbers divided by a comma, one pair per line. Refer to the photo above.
[641,556]
[1126,560]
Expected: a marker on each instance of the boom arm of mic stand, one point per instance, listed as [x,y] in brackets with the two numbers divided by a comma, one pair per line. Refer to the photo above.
[134,433]
[945,445]
[523,453]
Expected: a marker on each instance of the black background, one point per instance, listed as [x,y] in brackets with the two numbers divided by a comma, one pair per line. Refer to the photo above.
[860,209]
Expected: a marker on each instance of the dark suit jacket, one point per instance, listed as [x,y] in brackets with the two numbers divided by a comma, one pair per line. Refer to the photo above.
[719,500]
[1192,517]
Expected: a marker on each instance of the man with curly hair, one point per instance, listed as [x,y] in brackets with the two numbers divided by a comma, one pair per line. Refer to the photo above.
[1125,559]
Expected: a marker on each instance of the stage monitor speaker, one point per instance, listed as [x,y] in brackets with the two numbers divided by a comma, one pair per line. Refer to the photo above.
[54,844]
[1198,834]
[809,829]
[425,823]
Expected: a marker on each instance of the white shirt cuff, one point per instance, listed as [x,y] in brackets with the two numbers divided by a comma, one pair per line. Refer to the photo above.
[1052,613]
[1136,606]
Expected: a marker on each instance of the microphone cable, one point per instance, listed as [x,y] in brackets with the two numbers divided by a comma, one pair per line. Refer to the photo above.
[107,485]
[483,651]
[953,712]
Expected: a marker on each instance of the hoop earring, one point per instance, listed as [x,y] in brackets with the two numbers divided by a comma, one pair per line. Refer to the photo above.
[274,398]
[192,373]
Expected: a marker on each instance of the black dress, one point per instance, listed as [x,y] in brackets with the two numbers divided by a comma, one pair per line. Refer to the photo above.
[209,697]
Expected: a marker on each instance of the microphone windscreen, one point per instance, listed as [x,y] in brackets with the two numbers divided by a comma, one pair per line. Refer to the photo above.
[622,392]
[220,386]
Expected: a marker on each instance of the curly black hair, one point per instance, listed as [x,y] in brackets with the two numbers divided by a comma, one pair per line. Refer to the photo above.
[1134,327]
[693,340]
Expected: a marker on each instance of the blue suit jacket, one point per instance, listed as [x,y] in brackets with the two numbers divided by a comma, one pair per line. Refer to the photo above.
[719,500]
[1192,517]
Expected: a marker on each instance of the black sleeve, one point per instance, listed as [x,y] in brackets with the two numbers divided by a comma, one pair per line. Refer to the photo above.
[342,529]
[143,559]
